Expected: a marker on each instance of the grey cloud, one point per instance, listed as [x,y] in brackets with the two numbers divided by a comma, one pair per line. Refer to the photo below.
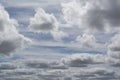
[25,72]
[97,74]
[7,66]
[114,51]
[101,15]
[114,47]
[82,60]
[10,39]
[37,64]
[113,62]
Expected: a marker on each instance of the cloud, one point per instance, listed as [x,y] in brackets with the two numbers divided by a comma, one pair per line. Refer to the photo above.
[88,41]
[82,60]
[114,51]
[7,66]
[38,64]
[97,74]
[43,22]
[46,23]
[114,47]
[101,15]
[10,39]
[36,70]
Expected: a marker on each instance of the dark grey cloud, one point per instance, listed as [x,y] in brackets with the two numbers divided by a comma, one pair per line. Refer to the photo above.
[96,14]
[7,66]
[10,39]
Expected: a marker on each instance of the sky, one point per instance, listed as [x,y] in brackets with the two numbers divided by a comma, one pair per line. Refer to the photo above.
[59,40]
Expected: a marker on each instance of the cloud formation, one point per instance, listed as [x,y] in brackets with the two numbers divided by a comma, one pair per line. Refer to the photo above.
[43,22]
[10,39]
[101,15]
[23,72]
[114,51]
[88,41]
[46,23]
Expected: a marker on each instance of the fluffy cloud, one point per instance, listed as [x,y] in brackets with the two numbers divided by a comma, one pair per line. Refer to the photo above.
[96,14]
[10,39]
[43,22]
[46,23]
[88,41]
[83,59]
[114,51]
[114,47]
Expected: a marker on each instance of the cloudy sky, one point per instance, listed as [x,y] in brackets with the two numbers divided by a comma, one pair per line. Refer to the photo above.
[59,39]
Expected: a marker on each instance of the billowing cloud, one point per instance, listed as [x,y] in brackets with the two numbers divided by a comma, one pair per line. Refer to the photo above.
[114,51]
[96,14]
[114,47]
[43,22]
[46,23]
[83,60]
[88,41]
[10,39]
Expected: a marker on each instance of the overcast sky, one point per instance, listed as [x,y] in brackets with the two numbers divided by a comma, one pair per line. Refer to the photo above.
[59,39]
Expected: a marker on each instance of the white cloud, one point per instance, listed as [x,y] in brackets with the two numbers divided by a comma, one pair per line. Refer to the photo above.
[46,23]
[43,22]
[10,39]
[88,41]
[96,14]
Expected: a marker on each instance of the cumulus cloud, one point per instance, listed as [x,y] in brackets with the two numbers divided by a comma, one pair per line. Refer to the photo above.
[46,23]
[88,41]
[96,14]
[10,39]
[114,47]
[114,51]
[83,59]
[43,22]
